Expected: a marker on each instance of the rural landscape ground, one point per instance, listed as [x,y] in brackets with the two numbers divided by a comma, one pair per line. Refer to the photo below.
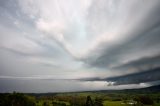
[135,97]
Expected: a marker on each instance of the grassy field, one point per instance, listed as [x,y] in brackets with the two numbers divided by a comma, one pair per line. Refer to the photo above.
[156,104]
[120,103]
[113,103]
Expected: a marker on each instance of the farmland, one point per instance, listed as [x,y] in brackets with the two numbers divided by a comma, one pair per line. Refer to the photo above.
[89,98]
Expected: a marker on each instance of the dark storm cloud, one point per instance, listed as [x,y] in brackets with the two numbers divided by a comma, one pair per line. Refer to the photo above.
[145,38]
[143,77]
[145,35]
[141,64]
[136,78]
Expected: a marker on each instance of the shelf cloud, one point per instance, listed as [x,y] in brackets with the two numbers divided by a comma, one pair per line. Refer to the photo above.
[88,42]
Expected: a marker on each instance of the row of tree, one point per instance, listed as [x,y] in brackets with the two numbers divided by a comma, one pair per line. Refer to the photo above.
[16,99]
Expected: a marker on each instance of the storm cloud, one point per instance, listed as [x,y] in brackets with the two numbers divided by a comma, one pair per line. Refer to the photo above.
[88,43]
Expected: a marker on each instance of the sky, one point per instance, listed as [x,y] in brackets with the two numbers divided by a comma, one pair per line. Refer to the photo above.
[79,45]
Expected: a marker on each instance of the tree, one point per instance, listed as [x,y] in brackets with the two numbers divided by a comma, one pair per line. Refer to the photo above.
[98,102]
[89,101]
[16,99]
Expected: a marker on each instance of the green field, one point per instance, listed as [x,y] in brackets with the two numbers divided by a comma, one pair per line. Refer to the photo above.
[121,103]
[113,103]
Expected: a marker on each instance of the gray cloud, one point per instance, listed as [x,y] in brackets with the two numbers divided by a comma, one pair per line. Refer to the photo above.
[141,64]
[109,41]
[147,76]
[135,78]
[130,51]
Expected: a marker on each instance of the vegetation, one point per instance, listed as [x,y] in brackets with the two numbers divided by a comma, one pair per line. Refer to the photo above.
[16,99]
[101,98]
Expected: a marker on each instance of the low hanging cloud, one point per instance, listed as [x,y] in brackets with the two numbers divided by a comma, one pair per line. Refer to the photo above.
[135,78]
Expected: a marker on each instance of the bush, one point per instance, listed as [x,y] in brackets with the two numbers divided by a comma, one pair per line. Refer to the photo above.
[145,100]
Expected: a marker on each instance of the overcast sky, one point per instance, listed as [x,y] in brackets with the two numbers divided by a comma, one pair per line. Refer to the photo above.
[77,45]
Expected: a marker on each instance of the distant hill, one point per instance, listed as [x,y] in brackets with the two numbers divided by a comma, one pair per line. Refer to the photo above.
[152,88]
